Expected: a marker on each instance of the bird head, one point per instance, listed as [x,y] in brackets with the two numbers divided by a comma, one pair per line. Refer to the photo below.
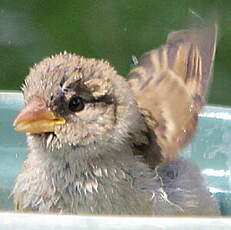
[76,102]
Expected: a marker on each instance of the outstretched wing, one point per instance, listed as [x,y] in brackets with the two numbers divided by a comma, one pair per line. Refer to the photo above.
[170,85]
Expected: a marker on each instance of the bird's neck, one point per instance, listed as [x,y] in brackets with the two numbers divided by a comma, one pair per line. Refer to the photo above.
[95,179]
[89,159]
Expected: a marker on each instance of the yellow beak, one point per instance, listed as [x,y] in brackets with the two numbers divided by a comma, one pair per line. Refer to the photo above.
[35,117]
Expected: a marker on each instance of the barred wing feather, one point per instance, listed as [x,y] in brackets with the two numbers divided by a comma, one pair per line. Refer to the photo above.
[170,84]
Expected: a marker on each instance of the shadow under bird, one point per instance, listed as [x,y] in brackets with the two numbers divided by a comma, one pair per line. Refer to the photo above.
[101,144]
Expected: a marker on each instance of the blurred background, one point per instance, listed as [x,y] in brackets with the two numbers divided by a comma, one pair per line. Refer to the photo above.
[107,29]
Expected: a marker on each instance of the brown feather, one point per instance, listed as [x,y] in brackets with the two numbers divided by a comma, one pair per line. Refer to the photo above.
[171,83]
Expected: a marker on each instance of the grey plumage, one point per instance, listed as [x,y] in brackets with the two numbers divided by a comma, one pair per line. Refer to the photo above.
[96,147]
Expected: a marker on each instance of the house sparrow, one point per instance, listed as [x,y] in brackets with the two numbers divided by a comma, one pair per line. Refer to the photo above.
[100,144]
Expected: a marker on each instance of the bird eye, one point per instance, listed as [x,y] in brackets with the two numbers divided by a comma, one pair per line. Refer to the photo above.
[76,104]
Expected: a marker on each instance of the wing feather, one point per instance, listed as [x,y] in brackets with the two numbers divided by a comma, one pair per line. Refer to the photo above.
[171,84]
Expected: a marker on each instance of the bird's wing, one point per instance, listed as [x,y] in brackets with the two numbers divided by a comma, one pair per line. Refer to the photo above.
[170,84]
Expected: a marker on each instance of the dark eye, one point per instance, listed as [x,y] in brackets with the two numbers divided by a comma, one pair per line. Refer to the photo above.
[76,104]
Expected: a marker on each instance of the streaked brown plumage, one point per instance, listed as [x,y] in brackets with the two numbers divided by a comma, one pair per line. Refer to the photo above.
[171,83]
[101,145]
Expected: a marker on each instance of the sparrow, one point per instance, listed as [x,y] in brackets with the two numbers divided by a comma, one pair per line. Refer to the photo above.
[101,144]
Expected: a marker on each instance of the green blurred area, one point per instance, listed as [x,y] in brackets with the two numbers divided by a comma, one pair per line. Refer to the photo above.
[108,29]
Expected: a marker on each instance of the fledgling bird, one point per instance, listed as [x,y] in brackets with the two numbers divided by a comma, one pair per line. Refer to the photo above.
[100,144]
